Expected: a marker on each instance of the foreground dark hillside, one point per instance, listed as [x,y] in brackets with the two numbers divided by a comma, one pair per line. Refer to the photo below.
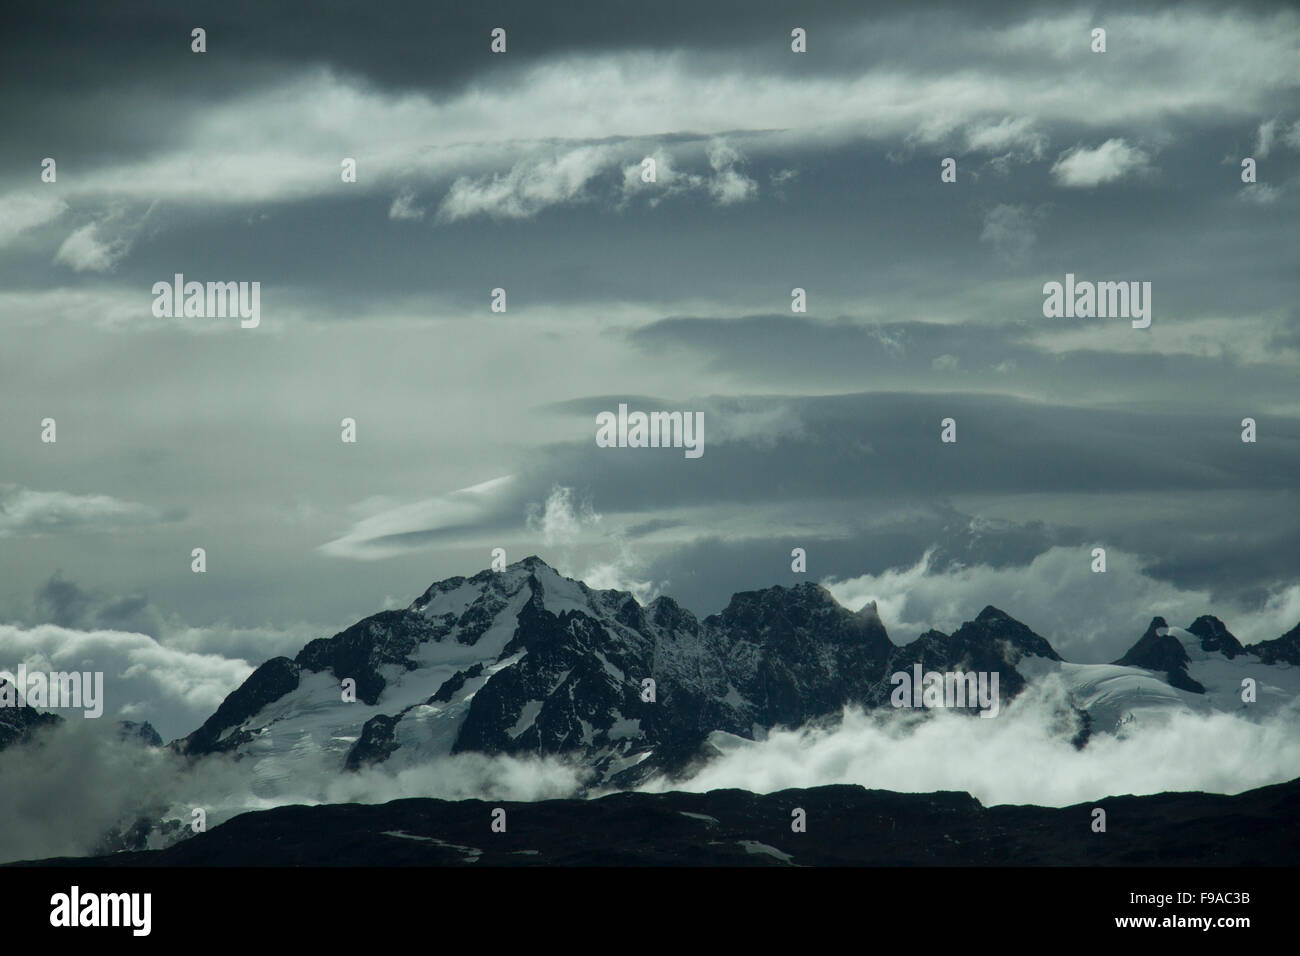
[846,825]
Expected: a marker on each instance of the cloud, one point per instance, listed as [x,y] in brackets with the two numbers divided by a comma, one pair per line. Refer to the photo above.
[144,679]
[539,183]
[1090,618]
[79,781]
[404,208]
[1015,139]
[996,89]
[1024,756]
[1292,135]
[86,250]
[25,512]
[529,187]
[1110,162]
[622,572]
[1264,138]
[22,211]
[64,603]
[728,185]
[757,422]
[666,176]
[562,519]
[1260,194]
[394,531]
[1010,230]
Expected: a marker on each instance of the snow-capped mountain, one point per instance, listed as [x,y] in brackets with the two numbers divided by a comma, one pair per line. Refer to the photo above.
[1199,668]
[526,662]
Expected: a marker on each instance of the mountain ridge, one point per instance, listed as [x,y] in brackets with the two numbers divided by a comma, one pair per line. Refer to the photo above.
[525,661]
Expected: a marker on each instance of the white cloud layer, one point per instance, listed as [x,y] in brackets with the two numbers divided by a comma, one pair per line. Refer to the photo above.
[1090,618]
[643,96]
[20,211]
[1113,160]
[1024,756]
[79,781]
[528,188]
[562,518]
[88,250]
[404,208]
[406,528]
[143,678]
[27,512]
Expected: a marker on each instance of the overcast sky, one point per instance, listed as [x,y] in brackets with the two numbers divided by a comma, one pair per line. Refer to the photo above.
[775,170]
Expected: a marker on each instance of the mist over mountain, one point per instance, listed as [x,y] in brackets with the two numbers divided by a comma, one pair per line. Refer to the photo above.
[527,662]
[525,684]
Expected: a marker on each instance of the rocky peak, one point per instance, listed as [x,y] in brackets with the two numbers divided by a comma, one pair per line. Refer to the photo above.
[994,626]
[1281,650]
[1215,636]
[18,720]
[1158,650]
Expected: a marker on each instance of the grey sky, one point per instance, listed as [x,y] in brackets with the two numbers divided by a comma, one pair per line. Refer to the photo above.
[776,170]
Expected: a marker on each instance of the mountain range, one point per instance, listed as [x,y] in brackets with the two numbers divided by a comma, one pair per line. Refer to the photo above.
[525,662]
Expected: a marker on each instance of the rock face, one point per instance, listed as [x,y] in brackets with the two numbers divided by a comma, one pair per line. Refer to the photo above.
[1283,650]
[1215,637]
[18,722]
[1158,650]
[269,683]
[527,662]
[993,642]
[144,732]
[847,826]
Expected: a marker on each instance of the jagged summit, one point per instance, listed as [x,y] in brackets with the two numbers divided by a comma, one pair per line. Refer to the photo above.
[994,626]
[18,721]
[808,597]
[527,661]
[1215,636]
[869,611]
[1282,650]
[545,583]
[1158,650]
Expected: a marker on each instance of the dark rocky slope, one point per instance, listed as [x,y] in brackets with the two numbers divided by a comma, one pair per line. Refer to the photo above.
[846,825]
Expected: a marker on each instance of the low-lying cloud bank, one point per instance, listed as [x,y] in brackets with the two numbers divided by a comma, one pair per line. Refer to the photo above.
[71,786]
[1024,756]
[144,679]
